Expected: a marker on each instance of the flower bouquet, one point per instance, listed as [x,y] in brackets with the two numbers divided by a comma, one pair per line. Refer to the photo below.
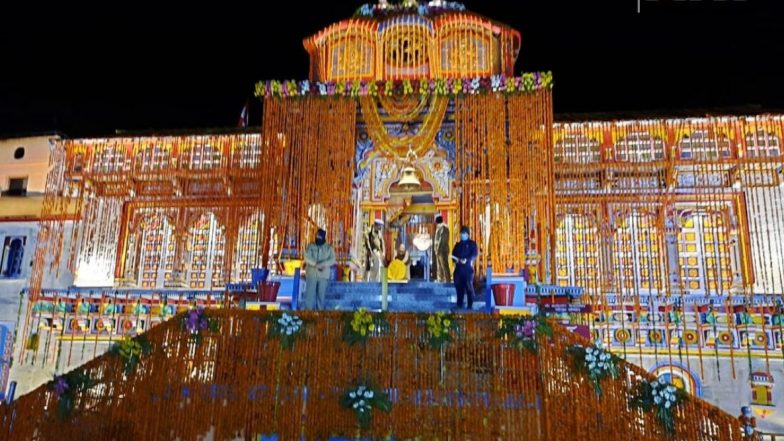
[439,328]
[361,324]
[65,388]
[522,330]
[363,399]
[196,321]
[286,327]
[131,351]
[596,363]
[660,396]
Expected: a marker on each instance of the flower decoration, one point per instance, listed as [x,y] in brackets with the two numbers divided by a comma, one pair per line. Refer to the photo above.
[286,327]
[522,331]
[660,396]
[196,321]
[363,399]
[529,82]
[361,324]
[439,328]
[406,7]
[596,363]
[131,351]
[66,387]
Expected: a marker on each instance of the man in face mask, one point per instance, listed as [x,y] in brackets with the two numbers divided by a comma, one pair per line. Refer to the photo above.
[319,259]
[464,254]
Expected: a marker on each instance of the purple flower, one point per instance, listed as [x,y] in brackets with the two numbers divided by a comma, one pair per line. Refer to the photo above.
[204,324]
[526,330]
[61,386]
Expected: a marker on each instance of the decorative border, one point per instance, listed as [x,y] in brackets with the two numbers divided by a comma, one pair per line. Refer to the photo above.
[368,10]
[527,82]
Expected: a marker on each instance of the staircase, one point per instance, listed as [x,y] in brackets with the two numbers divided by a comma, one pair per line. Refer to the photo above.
[414,296]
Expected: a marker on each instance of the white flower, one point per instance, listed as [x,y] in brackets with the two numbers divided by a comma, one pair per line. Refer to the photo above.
[589,351]
[282,321]
[356,405]
[591,366]
[361,409]
[288,332]
[352,395]
[369,394]
[671,389]
[589,358]
[361,402]
[672,398]
[661,381]
[667,404]
[361,389]
[657,400]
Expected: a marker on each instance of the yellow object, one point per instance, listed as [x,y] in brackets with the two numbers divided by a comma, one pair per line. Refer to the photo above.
[290,266]
[396,270]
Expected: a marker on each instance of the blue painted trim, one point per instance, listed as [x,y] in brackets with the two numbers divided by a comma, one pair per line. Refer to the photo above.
[489,290]
[295,290]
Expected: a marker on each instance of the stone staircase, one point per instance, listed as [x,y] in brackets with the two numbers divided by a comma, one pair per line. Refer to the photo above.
[415,296]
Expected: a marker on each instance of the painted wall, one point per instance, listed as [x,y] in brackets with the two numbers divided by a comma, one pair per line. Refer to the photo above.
[715,383]
[34,165]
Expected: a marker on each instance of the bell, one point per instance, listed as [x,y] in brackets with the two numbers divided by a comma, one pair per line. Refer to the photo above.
[409,181]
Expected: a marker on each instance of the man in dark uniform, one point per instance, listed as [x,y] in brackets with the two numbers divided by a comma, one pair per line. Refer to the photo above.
[464,254]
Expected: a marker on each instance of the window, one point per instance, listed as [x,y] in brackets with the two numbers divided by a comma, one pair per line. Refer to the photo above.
[762,144]
[19,153]
[16,187]
[639,147]
[702,146]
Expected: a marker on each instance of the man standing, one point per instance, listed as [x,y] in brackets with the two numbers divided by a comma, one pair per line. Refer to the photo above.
[464,254]
[319,259]
[376,251]
[441,250]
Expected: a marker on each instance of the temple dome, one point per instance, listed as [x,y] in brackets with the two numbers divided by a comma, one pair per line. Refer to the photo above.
[412,41]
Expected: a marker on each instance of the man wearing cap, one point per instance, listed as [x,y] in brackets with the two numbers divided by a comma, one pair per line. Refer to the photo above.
[464,254]
[441,250]
[319,259]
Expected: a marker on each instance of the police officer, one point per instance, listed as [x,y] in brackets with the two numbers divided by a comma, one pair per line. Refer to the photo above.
[464,254]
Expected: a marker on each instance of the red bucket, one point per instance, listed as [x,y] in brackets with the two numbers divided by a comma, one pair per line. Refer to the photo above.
[268,291]
[503,293]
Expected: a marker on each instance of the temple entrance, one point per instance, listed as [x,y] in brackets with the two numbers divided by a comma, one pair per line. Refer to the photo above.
[405,221]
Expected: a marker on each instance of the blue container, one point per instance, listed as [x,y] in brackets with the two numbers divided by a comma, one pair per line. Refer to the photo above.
[258,275]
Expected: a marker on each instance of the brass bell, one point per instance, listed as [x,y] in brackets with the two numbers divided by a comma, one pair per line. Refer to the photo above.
[409,180]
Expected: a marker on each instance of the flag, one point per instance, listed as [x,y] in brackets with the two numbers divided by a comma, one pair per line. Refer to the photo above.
[243,122]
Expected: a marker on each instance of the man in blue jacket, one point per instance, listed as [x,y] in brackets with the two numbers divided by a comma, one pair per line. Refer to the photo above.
[464,254]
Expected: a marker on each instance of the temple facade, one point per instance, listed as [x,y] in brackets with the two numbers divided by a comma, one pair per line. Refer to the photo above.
[672,227]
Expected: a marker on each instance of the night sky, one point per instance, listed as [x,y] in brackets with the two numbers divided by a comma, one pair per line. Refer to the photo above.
[87,71]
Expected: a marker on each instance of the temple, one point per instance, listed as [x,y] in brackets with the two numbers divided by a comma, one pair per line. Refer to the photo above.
[662,238]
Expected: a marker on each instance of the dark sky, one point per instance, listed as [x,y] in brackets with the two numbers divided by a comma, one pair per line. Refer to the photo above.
[87,71]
